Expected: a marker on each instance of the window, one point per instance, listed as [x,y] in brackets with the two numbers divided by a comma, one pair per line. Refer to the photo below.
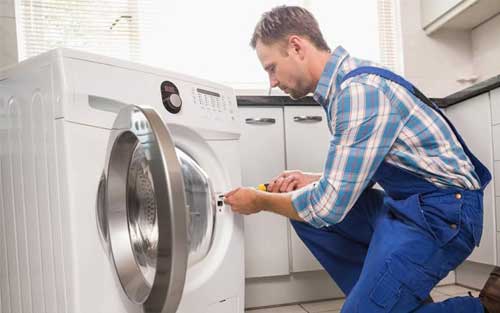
[208,39]
[109,27]
[367,29]
[389,29]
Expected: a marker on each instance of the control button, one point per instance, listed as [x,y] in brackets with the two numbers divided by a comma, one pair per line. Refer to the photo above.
[175,100]
[170,97]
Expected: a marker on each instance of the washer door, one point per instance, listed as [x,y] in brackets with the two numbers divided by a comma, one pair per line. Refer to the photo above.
[201,203]
[145,210]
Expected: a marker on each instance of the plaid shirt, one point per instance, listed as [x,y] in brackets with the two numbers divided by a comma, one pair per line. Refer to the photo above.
[372,120]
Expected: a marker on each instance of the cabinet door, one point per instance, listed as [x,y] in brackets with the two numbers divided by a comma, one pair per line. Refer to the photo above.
[495,119]
[307,140]
[472,118]
[262,158]
[432,11]
[437,14]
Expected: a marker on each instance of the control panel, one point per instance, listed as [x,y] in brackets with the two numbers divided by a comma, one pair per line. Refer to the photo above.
[214,105]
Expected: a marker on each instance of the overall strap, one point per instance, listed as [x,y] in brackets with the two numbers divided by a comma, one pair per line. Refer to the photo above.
[481,170]
[392,77]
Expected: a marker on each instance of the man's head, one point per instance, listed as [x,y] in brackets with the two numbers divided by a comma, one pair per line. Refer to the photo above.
[291,49]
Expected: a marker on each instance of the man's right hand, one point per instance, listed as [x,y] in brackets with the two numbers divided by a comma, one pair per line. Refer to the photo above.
[291,180]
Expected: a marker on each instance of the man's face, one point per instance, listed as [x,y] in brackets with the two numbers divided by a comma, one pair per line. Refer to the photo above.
[285,68]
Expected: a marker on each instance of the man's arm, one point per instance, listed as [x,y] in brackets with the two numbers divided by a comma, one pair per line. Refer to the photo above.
[278,203]
[249,201]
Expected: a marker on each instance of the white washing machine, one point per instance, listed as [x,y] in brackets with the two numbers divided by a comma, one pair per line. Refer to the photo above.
[111,178]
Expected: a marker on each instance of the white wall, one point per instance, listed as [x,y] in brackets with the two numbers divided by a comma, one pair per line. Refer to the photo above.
[486,48]
[8,40]
[434,63]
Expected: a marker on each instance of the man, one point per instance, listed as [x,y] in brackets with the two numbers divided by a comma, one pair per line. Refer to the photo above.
[385,249]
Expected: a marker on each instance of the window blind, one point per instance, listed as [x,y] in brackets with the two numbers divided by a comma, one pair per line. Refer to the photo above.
[389,35]
[109,27]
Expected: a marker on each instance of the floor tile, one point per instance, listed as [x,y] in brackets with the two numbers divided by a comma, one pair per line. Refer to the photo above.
[443,293]
[441,298]
[323,306]
[281,309]
[439,294]
[475,293]
[436,293]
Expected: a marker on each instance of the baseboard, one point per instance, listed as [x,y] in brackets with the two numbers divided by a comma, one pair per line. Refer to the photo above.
[295,288]
[448,280]
[473,275]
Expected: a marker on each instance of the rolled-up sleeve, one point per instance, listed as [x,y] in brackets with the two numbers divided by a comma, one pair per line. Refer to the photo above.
[364,127]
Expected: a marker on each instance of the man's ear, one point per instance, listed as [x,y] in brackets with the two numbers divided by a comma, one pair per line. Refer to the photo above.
[296,46]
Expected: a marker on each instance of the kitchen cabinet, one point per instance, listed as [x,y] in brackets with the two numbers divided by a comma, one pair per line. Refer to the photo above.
[495,119]
[307,139]
[472,118]
[456,14]
[274,139]
[262,158]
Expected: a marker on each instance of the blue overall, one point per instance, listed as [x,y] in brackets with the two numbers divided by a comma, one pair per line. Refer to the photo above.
[393,247]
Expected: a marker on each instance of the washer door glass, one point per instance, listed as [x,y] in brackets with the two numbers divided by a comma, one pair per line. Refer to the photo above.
[142,214]
[200,199]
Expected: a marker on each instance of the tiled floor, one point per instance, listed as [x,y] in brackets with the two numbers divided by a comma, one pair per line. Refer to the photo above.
[333,306]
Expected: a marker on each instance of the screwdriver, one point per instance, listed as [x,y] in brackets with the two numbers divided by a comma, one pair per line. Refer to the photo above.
[262,187]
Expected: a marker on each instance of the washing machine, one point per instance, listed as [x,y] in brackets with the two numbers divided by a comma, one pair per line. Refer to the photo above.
[112,176]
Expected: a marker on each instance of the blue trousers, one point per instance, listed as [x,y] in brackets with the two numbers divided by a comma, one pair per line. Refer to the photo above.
[386,262]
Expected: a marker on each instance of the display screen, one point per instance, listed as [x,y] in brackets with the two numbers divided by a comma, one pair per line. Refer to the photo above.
[206,92]
[169,88]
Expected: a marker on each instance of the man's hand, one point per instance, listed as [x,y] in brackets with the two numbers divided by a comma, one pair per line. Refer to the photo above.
[243,200]
[249,201]
[291,180]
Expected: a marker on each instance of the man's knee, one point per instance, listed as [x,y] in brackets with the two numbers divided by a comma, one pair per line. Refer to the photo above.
[381,298]
[394,287]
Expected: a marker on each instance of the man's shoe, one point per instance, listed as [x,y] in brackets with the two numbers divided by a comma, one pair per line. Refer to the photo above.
[490,295]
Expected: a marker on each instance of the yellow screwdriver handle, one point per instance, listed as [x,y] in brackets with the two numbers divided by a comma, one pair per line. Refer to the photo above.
[262,187]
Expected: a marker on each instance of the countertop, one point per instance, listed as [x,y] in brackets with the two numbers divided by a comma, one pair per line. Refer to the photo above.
[452,99]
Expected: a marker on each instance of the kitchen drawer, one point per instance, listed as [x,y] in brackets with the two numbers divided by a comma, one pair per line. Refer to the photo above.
[262,157]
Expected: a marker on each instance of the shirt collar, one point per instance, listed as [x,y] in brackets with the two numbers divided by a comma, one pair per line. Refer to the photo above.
[331,76]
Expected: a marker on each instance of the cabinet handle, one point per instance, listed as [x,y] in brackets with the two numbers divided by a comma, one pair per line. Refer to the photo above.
[307,119]
[260,121]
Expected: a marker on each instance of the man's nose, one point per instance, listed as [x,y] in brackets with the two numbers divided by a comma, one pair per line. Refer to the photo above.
[273,81]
